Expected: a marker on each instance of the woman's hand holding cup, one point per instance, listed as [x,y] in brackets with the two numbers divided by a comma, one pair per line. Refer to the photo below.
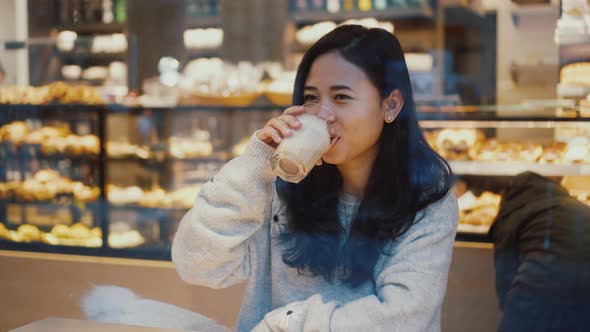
[282,126]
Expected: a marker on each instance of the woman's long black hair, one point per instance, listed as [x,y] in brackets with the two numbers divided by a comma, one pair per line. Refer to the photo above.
[406,177]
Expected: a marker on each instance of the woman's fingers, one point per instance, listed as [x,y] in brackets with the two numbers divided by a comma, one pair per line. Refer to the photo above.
[282,126]
[291,120]
[276,129]
[272,134]
[295,110]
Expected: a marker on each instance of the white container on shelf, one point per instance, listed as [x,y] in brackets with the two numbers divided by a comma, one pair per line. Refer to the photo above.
[95,73]
[71,72]
[66,40]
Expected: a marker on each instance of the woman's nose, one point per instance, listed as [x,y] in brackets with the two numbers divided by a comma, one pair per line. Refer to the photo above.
[328,115]
[321,111]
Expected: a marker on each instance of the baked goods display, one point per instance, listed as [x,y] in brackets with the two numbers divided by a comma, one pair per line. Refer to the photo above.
[576,89]
[493,150]
[5,234]
[58,92]
[182,198]
[477,213]
[471,144]
[578,186]
[124,195]
[24,233]
[155,198]
[79,235]
[214,79]
[585,106]
[582,195]
[8,189]
[125,239]
[577,151]
[199,145]
[76,235]
[124,149]
[29,233]
[51,139]
[15,132]
[210,81]
[46,185]
[576,74]
[552,153]
[455,144]
[24,95]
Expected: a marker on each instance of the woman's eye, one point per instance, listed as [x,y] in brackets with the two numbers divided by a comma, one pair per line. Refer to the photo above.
[309,98]
[342,97]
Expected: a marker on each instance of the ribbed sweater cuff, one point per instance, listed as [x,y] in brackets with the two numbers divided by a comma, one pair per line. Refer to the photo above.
[258,154]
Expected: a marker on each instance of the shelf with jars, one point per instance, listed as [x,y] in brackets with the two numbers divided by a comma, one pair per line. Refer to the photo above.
[203,35]
[93,16]
[91,41]
[336,10]
[418,24]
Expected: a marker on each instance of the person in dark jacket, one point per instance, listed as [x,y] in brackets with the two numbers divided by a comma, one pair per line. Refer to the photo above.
[542,257]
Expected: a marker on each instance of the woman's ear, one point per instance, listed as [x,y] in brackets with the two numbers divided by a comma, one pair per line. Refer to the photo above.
[392,105]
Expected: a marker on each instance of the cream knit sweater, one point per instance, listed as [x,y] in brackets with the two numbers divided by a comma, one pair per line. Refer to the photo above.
[230,236]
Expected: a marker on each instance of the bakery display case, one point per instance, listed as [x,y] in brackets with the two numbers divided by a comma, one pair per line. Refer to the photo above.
[116,180]
[485,146]
[159,158]
[50,176]
[108,179]
[90,166]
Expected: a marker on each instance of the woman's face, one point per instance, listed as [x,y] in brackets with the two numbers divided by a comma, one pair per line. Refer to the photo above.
[345,89]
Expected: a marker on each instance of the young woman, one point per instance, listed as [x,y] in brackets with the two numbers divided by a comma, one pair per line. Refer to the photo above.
[364,241]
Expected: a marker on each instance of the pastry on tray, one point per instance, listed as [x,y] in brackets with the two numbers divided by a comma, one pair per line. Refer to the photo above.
[454,144]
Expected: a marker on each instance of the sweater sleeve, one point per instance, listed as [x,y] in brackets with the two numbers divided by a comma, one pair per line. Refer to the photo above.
[211,247]
[409,290]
